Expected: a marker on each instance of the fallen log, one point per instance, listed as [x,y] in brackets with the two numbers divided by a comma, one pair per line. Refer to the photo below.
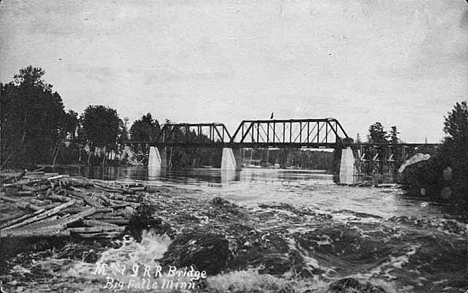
[44,215]
[57,197]
[73,181]
[85,197]
[17,220]
[80,216]
[21,183]
[97,229]
[40,203]
[20,204]
[110,188]
[98,223]
[34,232]
[24,193]
[102,197]
[100,235]
[121,203]
[57,177]
[114,220]
[62,222]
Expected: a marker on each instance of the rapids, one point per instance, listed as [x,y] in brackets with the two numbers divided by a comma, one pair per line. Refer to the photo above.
[265,231]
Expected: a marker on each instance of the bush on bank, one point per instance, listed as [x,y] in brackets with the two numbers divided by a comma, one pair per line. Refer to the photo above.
[445,175]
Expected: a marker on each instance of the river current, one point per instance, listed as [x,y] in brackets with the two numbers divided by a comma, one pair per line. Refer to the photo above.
[373,235]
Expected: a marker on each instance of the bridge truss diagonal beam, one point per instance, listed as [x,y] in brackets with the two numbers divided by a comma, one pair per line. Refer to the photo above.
[193,135]
[290,133]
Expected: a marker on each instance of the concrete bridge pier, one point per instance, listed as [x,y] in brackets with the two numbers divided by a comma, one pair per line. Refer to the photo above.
[231,159]
[156,161]
[347,168]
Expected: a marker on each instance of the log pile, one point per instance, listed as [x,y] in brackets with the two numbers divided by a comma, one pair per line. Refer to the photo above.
[48,204]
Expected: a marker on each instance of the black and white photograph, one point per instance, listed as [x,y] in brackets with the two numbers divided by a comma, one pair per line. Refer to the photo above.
[240,146]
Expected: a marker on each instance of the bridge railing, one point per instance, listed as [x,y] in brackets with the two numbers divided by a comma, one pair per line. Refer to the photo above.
[314,133]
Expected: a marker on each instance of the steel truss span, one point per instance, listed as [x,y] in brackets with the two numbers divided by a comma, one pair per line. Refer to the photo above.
[295,133]
[291,133]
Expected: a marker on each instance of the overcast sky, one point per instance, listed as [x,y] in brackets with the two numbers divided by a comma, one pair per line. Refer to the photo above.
[402,62]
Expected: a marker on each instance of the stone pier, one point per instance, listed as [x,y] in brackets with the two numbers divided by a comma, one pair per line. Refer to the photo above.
[347,168]
[231,159]
[156,161]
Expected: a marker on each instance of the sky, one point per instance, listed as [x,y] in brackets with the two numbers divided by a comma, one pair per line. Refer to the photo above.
[401,62]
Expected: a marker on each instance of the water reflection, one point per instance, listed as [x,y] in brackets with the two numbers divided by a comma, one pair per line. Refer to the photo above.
[212,176]
[155,172]
[230,175]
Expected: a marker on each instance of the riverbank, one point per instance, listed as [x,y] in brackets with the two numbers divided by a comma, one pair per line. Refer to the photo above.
[270,247]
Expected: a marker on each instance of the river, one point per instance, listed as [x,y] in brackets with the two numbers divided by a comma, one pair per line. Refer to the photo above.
[311,188]
[316,235]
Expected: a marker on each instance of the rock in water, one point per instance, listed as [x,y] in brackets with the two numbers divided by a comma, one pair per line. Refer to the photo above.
[446,193]
[352,285]
[205,251]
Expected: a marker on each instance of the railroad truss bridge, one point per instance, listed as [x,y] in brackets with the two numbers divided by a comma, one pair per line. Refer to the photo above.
[357,159]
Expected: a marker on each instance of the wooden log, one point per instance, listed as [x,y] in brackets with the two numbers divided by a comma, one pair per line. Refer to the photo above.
[139,188]
[79,209]
[86,198]
[114,220]
[52,222]
[79,216]
[104,198]
[56,177]
[20,204]
[57,197]
[110,188]
[17,220]
[98,223]
[52,205]
[41,203]
[44,215]
[21,183]
[92,202]
[63,222]
[75,181]
[124,203]
[24,193]
[52,174]
[33,232]
[31,188]
[97,229]
[109,235]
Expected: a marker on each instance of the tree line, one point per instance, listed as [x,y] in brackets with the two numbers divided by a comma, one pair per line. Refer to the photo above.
[35,129]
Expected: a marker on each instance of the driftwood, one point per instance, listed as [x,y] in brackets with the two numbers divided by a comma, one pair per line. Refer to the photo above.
[20,204]
[59,205]
[98,223]
[17,220]
[100,235]
[43,215]
[57,197]
[34,232]
[97,229]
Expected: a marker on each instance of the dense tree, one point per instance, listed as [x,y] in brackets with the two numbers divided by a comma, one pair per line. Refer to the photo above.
[456,123]
[393,135]
[145,129]
[100,125]
[453,153]
[71,124]
[377,134]
[32,117]
[450,158]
